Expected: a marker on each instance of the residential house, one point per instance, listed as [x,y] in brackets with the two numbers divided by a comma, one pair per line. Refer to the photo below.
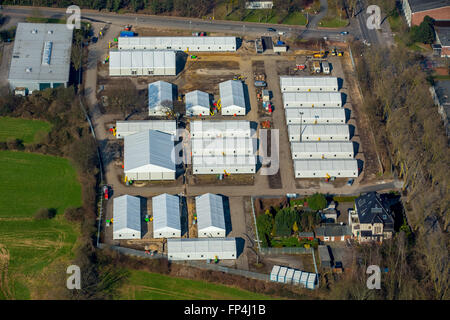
[442,31]
[416,10]
[371,220]
[333,232]
[441,93]
[306,235]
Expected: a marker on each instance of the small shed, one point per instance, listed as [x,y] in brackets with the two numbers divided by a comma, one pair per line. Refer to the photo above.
[274,273]
[282,274]
[324,256]
[296,277]
[304,278]
[126,217]
[289,275]
[311,283]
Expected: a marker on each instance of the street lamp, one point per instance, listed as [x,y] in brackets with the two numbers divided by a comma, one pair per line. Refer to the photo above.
[301,122]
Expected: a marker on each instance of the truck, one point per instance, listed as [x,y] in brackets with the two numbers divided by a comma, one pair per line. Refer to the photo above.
[326,67]
[259,46]
[316,67]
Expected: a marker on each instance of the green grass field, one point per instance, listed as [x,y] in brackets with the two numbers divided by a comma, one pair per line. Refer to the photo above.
[143,285]
[26,130]
[333,22]
[29,182]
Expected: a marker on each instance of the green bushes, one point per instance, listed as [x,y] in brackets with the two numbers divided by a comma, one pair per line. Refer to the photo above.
[317,202]
[284,221]
[264,223]
[44,213]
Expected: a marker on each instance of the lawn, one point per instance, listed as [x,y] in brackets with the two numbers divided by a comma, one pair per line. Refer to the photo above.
[27,247]
[32,181]
[333,22]
[143,285]
[26,130]
[295,18]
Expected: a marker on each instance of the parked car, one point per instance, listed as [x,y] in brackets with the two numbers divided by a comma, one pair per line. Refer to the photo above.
[350,182]
[94,39]
[106,192]
[344,33]
[271,30]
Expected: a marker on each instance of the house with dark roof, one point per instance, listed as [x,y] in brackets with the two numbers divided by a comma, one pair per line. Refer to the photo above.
[416,10]
[333,232]
[442,31]
[441,96]
[372,220]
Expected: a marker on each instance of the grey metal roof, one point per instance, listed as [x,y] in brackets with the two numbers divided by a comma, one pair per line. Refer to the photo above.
[30,61]
[220,128]
[310,114]
[210,212]
[423,5]
[322,147]
[333,230]
[197,98]
[224,161]
[127,213]
[324,254]
[320,130]
[306,234]
[232,94]
[166,212]
[308,82]
[158,92]
[149,151]
[201,245]
[443,34]
[134,126]
[372,208]
[312,97]
[126,59]
[143,43]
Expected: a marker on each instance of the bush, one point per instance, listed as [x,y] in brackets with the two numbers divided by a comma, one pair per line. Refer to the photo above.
[44,213]
[284,221]
[73,214]
[317,202]
[15,144]
[264,223]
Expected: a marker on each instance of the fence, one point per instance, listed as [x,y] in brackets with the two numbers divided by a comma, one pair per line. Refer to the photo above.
[285,250]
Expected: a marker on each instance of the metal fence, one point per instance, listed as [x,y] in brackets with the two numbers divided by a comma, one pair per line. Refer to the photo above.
[285,250]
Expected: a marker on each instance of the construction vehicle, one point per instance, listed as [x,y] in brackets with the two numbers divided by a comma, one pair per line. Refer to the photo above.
[334,52]
[319,54]
[266,124]
[300,67]
[127,27]
[193,57]
[340,53]
[316,67]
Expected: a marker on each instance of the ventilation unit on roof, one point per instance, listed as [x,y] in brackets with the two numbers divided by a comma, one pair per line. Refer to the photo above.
[47,53]
[34,31]
[28,70]
[50,31]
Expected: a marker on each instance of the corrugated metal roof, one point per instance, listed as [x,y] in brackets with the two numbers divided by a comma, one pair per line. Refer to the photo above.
[308,82]
[166,212]
[151,151]
[230,128]
[126,59]
[319,130]
[210,212]
[159,92]
[308,114]
[223,146]
[223,161]
[316,98]
[201,245]
[322,147]
[28,52]
[135,126]
[326,165]
[127,213]
[197,98]
[142,43]
[232,94]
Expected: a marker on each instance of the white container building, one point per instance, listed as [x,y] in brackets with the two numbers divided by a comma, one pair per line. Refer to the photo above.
[126,128]
[282,275]
[193,44]
[142,63]
[308,84]
[289,275]
[311,282]
[304,279]
[232,98]
[312,100]
[210,216]
[166,216]
[322,150]
[319,132]
[221,128]
[296,277]
[160,98]
[197,103]
[224,164]
[339,168]
[201,248]
[223,146]
[126,218]
[315,116]
[274,273]
[149,155]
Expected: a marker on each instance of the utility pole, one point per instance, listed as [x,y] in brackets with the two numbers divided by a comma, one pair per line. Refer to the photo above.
[301,122]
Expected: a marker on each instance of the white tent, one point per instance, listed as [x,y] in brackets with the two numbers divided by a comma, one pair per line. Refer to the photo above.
[126,128]
[232,98]
[193,44]
[210,216]
[166,216]
[308,84]
[201,248]
[197,103]
[224,164]
[315,115]
[223,146]
[312,100]
[319,132]
[220,128]
[142,63]
[149,155]
[341,168]
[322,150]
[160,98]
[126,217]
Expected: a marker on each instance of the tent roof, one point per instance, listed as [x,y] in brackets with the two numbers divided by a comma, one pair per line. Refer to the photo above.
[197,98]
[210,212]
[201,245]
[166,212]
[232,94]
[127,213]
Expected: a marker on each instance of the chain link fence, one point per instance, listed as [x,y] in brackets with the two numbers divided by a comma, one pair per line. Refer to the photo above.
[286,250]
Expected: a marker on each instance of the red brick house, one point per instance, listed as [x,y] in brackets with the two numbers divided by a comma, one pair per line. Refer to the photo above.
[333,232]
[416,10]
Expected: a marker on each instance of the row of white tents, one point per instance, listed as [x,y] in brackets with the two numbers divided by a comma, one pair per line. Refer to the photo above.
[292,276]
[317,129]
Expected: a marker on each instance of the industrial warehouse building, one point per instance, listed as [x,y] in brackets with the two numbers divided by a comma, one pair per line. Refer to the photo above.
[166,216]
[126,128]
[149,155]
[232,98]
[223,164]
[201,248]
[319,132]
[223,146]
[126,217]
[315,116]
[322,150]
[308,84]
[210,216]
[197,103]
[312,100]
[142,63]
[160,98]
[325,168]
[206,44]
[225,128]
[41,56]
